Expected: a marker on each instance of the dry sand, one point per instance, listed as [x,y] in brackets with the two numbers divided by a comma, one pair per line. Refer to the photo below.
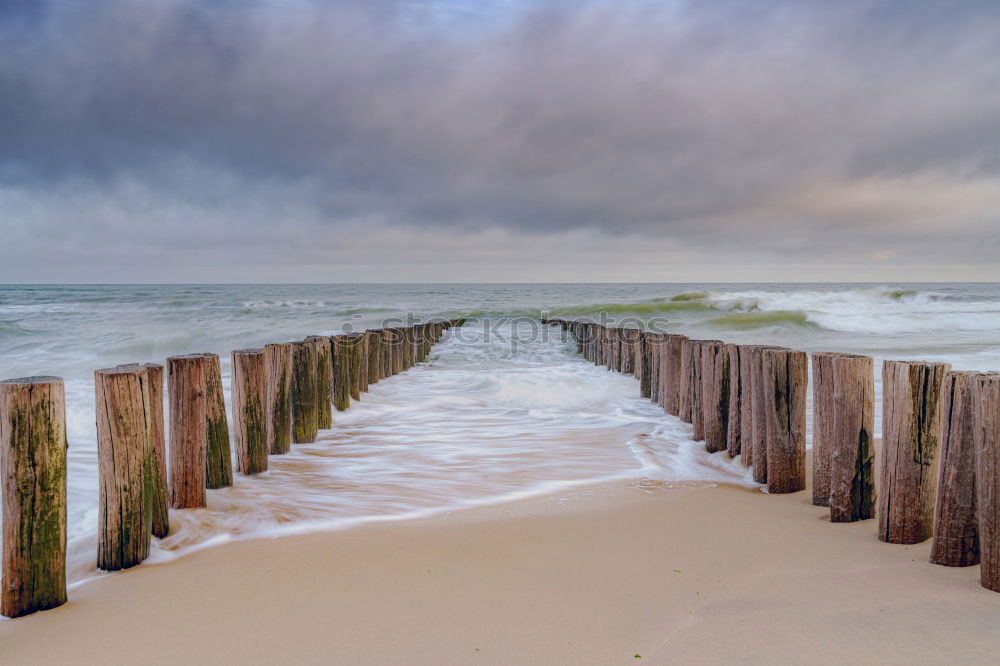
[593,577]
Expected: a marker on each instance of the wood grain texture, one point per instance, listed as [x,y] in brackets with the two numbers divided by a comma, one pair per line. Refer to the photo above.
[249,390]
[911,427]
[340,346]
[324,381]
[785,380]
[672,370]
[734,429]
[851,448]
[746,405]
[822,425]
[758,412]
[987,449]
[715,395]
[305,404]
[124,457]
[956,526]
[218,456]
[278,362]
[374,355]
[187,378]
[33,469]
[684,382]
[153,384]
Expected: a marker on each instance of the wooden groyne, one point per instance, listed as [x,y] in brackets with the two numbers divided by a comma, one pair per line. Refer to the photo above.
[282,393]
[940,451]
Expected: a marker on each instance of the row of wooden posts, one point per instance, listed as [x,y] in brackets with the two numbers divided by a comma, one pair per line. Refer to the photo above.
[281,394]
[940,449]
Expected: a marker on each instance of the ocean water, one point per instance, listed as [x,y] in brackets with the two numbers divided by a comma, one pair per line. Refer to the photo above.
[503,409]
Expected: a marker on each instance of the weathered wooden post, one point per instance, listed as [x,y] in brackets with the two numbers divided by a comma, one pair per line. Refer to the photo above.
[647,343]
[362,362]
[852,446]
[374,355]
[696,388]
[626,362]
[822,425]
[397,350]
[407,349]
[341,372]
[758,412]
[33,468]
[786,379]
[389,352]
[683,380]
[125,457]
[278,362]
[715,395]
[911,426]
[987,446]
[188,389]
[305,408]
[956,533]
[746,405]
[671,369]
[249,387]
[638,345]
[354,355]
[734,430]
[324,381]
[152,381]
[218,457]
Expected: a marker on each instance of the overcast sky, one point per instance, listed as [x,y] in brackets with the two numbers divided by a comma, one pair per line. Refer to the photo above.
[499,140]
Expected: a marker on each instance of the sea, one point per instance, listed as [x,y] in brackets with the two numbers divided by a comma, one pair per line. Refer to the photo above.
[503,409]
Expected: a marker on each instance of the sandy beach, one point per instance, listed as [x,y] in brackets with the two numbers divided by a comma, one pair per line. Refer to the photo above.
[604,575]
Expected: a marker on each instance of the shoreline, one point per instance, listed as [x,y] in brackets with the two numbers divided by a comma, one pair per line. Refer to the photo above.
[594,575]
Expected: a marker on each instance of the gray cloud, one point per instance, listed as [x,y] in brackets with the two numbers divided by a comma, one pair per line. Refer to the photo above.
[224,133]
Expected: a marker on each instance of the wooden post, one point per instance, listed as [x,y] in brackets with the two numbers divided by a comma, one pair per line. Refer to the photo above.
[822,425]
[626,364]
[397,351]
[407,348]
[388,352]
[278,361]
[786,379]
[218,457]
[152,380]
[341,372]
[249,385]
[125,453]
[33,468]
[683,381]
[715,395]
[851,449]
[647,345]
[987,447]
[734,430]
[324,381]
[696,388]
[188,388]
[758,412]
[354,354]
[911,422]
[650,365]
[746,405]
[305,408]
[374,355]
[956,533]
[671,369]
[362,362]
[638,347]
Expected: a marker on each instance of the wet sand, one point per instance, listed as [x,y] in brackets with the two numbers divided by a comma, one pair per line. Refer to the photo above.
[596,576]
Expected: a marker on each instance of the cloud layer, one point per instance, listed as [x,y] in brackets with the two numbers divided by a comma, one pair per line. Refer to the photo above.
[281,139]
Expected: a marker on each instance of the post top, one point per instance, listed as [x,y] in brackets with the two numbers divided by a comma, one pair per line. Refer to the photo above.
[41,379]
[249,351]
